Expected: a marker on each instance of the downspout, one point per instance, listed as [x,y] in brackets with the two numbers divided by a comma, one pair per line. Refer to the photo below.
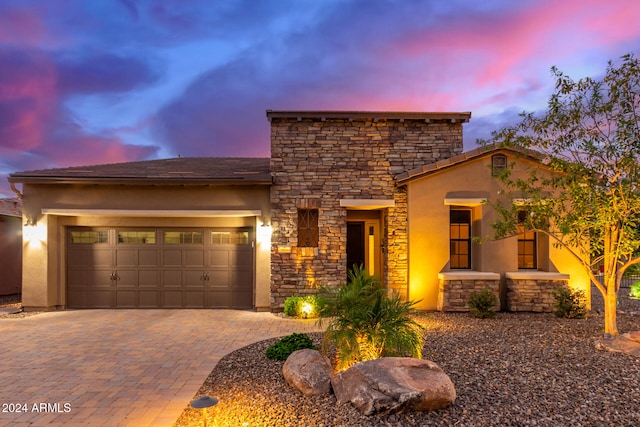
[15,190]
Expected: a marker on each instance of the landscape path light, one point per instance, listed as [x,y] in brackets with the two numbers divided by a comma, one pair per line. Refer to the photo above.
[203,403]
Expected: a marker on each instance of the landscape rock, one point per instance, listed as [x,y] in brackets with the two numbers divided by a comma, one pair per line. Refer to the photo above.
[308,371]
[394,384]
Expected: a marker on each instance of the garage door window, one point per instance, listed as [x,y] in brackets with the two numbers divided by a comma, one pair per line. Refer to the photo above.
[183,237]
[230,237]
[137,237]
[89,237]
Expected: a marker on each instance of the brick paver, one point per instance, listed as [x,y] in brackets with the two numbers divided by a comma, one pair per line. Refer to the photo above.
[119,367]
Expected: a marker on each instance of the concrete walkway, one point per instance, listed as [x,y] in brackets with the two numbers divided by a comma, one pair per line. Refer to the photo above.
[119,367]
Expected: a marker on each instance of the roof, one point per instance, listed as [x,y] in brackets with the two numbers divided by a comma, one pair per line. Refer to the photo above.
[180,170]
[375,115]
[11,207]
[431,168]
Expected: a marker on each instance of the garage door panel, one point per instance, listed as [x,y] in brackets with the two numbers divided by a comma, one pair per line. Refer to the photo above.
[219,258]
[193,258]
[194,299]
[102,299]
[148,279]
[193,278]
[218,279]
[126,299]
[172,278]
[126,278]
[78,298]
[149,299]
[242,299]
[172,299]
[126,257]
[172,258]
[219,299]
[148,258]
[241,259]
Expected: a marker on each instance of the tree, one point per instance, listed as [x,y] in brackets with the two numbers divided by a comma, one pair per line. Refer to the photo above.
[589,138]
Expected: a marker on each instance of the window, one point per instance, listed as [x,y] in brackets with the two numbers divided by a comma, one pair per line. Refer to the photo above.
[527,244]
[308,228]
[460,239]
[183,237]
[137,237]
[230,237]
[498,163]
[89,237]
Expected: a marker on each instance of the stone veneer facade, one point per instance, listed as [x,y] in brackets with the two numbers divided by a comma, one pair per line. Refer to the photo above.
[532,294]
[319,158]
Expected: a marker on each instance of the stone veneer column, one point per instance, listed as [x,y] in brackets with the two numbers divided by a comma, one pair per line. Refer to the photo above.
[317,161]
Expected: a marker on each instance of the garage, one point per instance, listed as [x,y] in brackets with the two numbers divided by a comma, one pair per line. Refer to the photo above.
[160,267]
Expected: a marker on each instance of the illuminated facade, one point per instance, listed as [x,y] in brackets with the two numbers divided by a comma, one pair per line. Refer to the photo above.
[391,191]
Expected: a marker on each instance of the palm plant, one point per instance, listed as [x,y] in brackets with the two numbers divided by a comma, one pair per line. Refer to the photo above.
[366,323]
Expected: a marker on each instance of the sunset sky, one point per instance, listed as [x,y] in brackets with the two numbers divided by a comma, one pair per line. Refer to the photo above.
[102,81]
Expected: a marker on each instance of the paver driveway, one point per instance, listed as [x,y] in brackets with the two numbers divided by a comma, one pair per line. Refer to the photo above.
[119,367]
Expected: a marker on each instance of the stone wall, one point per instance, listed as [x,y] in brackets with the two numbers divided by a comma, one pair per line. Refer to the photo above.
[531,294]
[454,294]
[316,161]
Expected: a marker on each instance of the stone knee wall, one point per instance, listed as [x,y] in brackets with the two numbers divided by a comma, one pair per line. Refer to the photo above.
[532,295]
[454,294]
[316,161]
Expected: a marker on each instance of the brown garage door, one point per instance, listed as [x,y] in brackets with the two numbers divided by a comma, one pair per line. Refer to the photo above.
[159,268]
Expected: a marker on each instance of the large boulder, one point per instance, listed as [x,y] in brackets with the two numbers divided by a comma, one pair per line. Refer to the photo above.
[394,384]
[308,371]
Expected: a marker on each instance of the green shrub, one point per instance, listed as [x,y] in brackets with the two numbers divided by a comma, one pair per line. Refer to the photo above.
[481,304]
[634,292]
[366,323]
[569,304]
[283,348]
[296,306]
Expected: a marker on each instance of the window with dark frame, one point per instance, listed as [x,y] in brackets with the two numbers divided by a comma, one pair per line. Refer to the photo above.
[527,244]
[498,163]
[460,239]
[308,228]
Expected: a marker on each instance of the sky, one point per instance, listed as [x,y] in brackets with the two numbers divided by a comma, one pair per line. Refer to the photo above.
[107,81]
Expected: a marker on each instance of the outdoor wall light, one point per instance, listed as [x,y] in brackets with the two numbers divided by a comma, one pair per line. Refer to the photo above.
[203,403]
[29,221]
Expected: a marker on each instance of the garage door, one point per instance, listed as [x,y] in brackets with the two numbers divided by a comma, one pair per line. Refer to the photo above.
[159,268]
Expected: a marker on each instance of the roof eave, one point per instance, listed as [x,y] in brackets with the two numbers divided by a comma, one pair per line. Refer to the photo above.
[462,117]
[137,181]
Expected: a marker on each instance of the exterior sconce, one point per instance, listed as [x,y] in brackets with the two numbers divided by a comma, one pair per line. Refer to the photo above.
[203,403]
[29,221]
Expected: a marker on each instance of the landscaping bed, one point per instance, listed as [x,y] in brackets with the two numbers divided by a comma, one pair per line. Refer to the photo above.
[517,369]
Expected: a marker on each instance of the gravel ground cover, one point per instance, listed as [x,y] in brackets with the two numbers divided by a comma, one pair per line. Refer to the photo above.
[518,369]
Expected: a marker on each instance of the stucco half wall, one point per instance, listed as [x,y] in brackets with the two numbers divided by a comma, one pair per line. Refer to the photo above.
[465,185]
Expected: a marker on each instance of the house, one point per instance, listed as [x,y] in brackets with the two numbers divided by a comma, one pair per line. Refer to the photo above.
[10,246]
[341,188]
[452,252]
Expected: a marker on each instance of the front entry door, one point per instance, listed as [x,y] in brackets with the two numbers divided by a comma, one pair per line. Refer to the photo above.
[355,245]
[363,243]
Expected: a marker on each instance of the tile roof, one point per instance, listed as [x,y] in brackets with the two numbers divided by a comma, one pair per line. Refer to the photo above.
[209,170]
[430,168]
[11,207]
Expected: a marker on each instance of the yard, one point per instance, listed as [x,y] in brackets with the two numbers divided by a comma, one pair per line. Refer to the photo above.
[518,369]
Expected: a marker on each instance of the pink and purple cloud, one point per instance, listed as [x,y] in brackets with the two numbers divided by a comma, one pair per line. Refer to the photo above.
[113,81]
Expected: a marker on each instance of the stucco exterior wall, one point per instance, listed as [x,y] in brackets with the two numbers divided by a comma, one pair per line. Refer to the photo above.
[429,230]
[45,248]
[316,162]
[10,255]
